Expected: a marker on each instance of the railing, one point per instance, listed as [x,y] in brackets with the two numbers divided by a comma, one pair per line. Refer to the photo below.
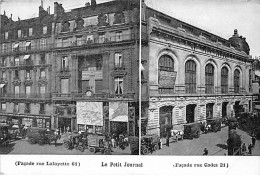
[31,95]
[81,42]
[95,95]
[25,49]
[22,63]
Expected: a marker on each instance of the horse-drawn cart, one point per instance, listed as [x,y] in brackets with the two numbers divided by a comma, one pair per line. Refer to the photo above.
[98,143]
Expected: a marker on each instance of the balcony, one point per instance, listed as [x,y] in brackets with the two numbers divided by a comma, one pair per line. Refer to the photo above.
[3,81]
[26,96]
[3,64]
[85,42]
[22,63]
[25,50]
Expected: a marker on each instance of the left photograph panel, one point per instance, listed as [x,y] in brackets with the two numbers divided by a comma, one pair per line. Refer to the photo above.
[69,77]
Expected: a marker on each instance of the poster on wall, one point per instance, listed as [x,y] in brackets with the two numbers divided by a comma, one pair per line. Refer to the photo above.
[118,112]
[90,113]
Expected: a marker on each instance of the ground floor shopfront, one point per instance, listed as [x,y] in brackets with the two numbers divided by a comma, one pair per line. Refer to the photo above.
[180,110]
[115,117]
[41,121]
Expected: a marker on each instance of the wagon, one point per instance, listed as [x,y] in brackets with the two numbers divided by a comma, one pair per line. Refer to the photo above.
[150,143]
[5,136]
[192,130]
[98,143]
[71,141]
[215,124]
[40,135]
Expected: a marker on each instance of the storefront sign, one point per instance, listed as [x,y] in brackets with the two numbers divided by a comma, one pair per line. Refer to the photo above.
[90,113]
[118,112]
[167,78]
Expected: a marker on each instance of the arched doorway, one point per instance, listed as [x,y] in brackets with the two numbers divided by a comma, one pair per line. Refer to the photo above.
[190,113]
[209,110]
[165,119]
[238,108]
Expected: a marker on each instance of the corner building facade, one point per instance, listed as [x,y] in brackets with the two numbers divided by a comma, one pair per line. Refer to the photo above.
[79,58]
[192,74]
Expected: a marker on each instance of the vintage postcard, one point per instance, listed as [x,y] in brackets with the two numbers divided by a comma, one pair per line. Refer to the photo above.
[129,86]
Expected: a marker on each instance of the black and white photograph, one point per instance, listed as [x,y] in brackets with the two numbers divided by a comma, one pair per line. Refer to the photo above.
[143,79]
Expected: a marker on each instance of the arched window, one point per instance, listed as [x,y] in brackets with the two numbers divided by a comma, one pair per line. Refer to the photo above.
[166,75]
[224,80]
[236,81]
[190,76]
[166,63]
[209,78]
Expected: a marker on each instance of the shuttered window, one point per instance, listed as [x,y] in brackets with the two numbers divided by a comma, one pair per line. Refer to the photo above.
[209,78]
[224,80]
[236,81]
[190,76]
[118,86]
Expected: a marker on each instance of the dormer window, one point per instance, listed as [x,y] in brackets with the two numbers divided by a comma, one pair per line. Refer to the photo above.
[6,35]
[44,30]
[19,33]
[30,31]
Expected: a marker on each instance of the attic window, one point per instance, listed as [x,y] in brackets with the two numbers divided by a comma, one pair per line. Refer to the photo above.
[44,30]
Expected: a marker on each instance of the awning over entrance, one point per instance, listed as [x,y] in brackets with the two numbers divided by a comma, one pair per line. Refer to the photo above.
[2,85]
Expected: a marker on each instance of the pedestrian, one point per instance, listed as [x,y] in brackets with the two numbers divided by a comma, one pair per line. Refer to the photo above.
[160,143]
[167,140]
[253,141]
[250,149]
[206,152]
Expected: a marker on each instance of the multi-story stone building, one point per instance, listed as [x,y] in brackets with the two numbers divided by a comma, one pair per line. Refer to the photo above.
[83,70]
[191,74]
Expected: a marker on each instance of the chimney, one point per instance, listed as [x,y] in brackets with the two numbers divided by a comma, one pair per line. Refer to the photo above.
[93,3]
[11,16]
[55,9]
[235,32]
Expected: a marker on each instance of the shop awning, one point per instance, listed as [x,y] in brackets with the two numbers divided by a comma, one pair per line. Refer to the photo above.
[26,56]
[16,45]
[2,85]
[28,43]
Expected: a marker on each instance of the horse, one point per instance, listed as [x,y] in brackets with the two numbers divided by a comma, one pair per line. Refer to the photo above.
[54,138]
[177,134]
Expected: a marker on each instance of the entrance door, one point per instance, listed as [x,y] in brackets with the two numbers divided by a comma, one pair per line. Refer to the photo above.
[165,119]
[209,110]
[118,128]
[238,108]
[64,123]
[190,113]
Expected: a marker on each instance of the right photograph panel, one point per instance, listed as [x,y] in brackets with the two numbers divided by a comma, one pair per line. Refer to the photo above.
[200,78]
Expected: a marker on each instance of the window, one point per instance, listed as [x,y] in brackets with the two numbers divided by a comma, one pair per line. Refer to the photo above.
[44,30]
[3,63]
[119,86]
[30,31]
[42,108]
[16,107]
[64,62]
[166,63]
[190,76]
[236,81]
[64,85]
[3,75]
[16,74]
[42,61]
[27,74]
[224,80]
[209,78]
[42,73]
[6,35]
[3,106]
[19,33]
[27,90]
[4,47]
[16,90]
[27,108]
[101,38]
[89,39]
[250,81]
[42,43]
[16,47]
[118,60]
[28,46]
[42,89]
[118,36]
[16,61]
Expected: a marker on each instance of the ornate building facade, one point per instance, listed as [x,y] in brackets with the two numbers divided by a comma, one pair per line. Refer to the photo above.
[85,55]
[192,74]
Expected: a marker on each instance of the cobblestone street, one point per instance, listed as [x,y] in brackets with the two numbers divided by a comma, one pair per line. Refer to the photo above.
[216,143]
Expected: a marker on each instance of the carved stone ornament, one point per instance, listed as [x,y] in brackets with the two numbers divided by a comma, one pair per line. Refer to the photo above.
[17,83]
[28,82]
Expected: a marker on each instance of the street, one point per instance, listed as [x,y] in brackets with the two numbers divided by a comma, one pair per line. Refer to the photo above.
[23,147]
[216,143]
